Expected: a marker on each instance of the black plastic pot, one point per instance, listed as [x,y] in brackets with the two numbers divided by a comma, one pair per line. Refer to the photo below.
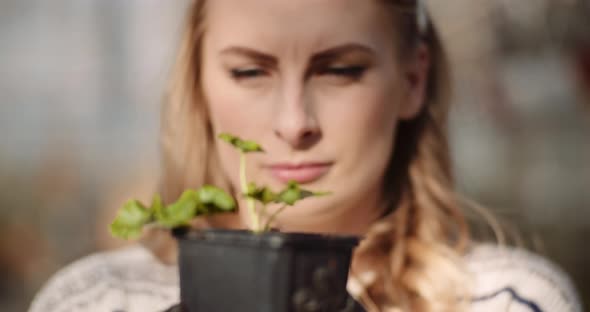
[229,270]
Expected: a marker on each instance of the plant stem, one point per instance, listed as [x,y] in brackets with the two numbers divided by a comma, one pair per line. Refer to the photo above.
[249,201]
[273,216]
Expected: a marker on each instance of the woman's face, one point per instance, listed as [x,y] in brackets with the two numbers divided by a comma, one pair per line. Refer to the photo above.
[319,85]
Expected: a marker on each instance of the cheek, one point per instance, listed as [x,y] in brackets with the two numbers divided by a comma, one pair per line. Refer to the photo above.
[375,127]
[363,132]
[223,119]
[232,110]
[222,102]
[365,117]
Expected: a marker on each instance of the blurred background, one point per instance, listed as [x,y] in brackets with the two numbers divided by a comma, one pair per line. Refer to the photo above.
[80,89]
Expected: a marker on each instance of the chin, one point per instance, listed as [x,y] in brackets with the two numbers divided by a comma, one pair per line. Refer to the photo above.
[302,215]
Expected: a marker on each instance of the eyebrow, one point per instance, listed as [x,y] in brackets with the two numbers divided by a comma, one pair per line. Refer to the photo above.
[322,55]
[343,49]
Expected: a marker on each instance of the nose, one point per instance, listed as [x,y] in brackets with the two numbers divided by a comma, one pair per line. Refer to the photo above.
[295,122]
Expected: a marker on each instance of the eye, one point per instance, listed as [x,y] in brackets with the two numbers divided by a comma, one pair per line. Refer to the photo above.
[239,74]
[345,71]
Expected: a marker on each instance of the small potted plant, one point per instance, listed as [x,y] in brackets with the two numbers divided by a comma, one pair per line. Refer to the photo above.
[260,269]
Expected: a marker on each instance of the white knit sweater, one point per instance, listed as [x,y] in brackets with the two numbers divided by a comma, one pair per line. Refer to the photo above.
[131,279]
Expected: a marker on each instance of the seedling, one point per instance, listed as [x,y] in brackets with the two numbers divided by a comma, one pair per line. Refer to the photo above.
[208,200]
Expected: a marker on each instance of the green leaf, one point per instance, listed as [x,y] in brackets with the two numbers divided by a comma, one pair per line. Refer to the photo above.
[207,194]
[130,220]
[244,146]
[249,147]
[261,194]
[180,212]
[294,193]
[216,198]
[157,208]
[189,194]
[157,204]
[120,230]
[289,196]
[252,188]
[228,138]
[292,184]
[224,202]
[268,196]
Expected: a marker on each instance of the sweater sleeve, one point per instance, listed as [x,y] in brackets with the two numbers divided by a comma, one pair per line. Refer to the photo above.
[127,280]
[85,285]
[514,280]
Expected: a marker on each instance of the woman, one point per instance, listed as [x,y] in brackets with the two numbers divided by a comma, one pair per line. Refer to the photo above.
[348,96]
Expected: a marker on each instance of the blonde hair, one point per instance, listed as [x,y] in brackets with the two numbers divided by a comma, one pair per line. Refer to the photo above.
[415,249]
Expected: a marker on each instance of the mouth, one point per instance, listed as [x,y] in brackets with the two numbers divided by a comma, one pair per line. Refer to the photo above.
[301,173]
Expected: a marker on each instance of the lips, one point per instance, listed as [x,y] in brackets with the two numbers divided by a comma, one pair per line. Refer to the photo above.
[300,173]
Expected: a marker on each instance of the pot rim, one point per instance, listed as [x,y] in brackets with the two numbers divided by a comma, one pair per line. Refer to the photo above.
[273,239]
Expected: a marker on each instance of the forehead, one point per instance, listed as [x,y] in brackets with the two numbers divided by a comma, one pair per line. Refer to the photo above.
[306,24]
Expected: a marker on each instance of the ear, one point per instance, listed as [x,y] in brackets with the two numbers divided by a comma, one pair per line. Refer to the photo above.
[416,80]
